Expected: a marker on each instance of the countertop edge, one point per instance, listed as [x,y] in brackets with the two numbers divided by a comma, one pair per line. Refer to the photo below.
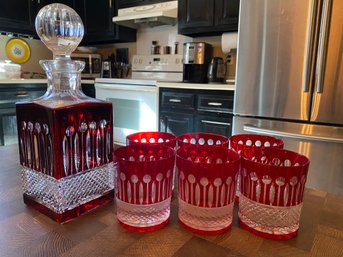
[37,81]
[181,85]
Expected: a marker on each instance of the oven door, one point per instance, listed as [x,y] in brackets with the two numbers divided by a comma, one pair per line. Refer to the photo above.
[135,108]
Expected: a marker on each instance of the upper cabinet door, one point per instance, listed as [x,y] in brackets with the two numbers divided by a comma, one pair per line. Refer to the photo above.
[129,3]
[99,27]
[133,3]
[98,17]
[15,16]
[207,17]
[196,13]
[227,13]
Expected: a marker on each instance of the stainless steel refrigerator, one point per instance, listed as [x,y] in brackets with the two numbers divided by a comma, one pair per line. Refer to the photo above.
[289,81]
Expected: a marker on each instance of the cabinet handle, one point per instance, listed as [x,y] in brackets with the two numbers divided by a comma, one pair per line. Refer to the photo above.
[214,104]
[173,100]
[216,122]
[21,94]
[38,1]
[110,3]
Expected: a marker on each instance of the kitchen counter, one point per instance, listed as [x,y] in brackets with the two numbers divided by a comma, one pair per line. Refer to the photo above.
[22,81]
[26,232]
[180,85]
[207,86]
[36,81]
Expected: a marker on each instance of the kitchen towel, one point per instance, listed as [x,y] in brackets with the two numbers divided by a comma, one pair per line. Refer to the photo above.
[229,41]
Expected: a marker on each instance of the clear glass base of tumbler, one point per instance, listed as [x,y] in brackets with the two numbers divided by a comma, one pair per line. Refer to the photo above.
[143,217]
[203,220]
[273,222]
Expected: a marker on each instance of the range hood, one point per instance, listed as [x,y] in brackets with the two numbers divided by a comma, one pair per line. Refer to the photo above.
[151,15]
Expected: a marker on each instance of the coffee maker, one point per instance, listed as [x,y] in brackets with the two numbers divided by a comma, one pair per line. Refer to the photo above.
[196,58]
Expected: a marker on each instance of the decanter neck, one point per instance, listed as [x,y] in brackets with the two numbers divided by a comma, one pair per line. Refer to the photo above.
[63,74]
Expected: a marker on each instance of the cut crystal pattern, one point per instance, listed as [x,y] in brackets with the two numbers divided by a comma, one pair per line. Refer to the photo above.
[68,192]
[144,215]
[205,219]
[269,219]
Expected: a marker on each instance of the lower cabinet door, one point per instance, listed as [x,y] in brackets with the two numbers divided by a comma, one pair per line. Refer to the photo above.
[210,124]
[176,123]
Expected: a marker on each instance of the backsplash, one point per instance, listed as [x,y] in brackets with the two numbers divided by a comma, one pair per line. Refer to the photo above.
[38,52]
[165,36]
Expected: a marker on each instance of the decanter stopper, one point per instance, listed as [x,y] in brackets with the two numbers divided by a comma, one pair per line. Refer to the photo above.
[60,28]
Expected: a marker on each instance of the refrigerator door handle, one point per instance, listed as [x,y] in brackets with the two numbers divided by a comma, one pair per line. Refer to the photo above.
[322,48]
[272,132]
[311,38]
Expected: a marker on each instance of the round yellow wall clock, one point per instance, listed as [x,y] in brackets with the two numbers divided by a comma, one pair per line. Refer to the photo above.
[18,50]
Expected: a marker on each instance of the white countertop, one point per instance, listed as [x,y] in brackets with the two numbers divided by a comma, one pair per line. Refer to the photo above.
[132,81]
[36,81]
[167,84]
[22,81]
[230,87]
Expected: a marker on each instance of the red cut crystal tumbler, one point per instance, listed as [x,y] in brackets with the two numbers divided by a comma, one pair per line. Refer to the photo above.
[165,138]
[202,138]
[207,178]
[272,190]
[144,186]
[249,144]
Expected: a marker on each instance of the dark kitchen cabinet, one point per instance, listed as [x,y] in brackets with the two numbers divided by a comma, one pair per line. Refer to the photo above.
[133,3]
[99,27]
[207,17]
[176,123]
[177,111]
[215,125]
[16,16]
[188,110]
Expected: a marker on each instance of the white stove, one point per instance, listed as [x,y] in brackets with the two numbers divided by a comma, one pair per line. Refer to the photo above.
[168,68]
[135,101]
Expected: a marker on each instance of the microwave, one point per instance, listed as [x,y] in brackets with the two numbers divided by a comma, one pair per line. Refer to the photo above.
[92,64]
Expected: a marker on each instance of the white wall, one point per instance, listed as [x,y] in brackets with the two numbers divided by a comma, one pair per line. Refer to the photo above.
[166,36]
[38,52]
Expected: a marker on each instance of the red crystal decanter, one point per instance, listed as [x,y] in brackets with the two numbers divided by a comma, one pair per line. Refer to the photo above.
[65,138]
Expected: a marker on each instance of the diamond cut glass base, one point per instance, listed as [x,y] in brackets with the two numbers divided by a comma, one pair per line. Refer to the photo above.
[205,220]
[69,197]
[273,222]
[144,217]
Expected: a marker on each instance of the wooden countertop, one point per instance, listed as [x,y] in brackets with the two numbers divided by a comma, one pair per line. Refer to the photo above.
[26,232]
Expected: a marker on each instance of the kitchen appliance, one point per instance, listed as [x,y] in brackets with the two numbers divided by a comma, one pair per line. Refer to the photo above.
[196,58]
[158,67]
[164,13]
[106,69]
[135,101]
[92,64]
[289,81]
[216,70]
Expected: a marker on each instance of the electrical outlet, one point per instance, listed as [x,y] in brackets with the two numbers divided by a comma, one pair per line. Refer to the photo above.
[229,60]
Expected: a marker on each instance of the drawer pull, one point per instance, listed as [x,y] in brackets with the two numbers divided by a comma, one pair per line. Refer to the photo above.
[22,95]
[173,100]
[214,104]
[216,122]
